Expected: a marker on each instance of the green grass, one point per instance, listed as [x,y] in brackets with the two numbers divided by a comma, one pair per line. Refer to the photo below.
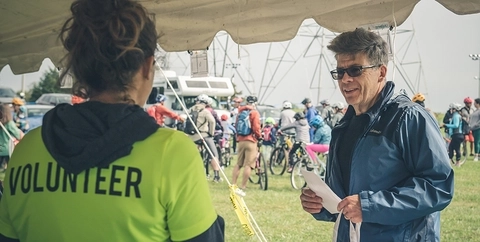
[281,218]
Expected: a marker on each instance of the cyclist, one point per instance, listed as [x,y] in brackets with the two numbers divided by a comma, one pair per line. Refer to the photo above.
[269,138]
[236,102]
[454,130]
[20,114]
[310,113]
[247,142]
[228,128]
[337,114]
[321,140]
[158,111]
[327,112]
[205,123]
[302,130]
[286,118]
[465,112]
[420,99]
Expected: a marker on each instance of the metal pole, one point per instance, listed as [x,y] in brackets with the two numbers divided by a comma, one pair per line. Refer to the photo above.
[476,57]
[478,77]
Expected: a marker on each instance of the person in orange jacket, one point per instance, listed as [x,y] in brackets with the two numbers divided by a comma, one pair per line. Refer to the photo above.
[158,111]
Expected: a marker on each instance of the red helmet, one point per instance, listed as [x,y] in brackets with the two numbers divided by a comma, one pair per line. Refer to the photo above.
[467,100]
[224,117]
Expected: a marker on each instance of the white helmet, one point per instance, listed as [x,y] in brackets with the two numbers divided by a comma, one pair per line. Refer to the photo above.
[202,98]
[287,105]
[325,102]
[209,101]
[338,105]
[458,106]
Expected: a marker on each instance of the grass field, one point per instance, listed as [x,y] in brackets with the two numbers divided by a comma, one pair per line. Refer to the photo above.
[280,217]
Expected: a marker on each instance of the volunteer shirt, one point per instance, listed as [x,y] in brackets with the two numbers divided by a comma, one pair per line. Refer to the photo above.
[151,193]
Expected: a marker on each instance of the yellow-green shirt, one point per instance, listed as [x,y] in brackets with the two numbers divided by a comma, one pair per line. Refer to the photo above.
[157,193]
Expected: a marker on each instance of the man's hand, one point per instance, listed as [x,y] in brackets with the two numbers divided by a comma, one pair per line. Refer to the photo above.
[310,201]
[352,209]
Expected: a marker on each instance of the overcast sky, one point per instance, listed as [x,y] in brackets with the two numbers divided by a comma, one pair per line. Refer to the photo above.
[441,40]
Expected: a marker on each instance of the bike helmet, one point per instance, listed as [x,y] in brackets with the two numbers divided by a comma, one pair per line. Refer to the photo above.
[160,98]
[224,117]
[306,100]
[468,100]
[270,120]
[325,102]
[298,115]
[418,98]
[456,106]
[209,101]
[17,101]
[338,105]
[287,105]
[251,99]
[203,98]
[317,121]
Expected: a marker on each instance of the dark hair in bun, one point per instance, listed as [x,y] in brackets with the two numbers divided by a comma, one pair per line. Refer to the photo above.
[107,42]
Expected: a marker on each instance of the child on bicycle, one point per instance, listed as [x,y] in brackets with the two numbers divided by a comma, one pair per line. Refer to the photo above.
[321,139]
[228,130]
[303,136]
[269,137]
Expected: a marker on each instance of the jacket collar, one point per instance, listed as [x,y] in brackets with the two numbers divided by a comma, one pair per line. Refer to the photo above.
[385,95]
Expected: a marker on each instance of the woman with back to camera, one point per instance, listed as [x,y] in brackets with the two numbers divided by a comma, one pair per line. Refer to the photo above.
[103,170]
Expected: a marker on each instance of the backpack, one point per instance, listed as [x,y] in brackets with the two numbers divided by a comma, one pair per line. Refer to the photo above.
[465,127]
[189,125]
[244,126]
[267,133]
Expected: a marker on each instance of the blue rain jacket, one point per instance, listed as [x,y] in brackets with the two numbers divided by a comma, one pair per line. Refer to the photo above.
[400,170]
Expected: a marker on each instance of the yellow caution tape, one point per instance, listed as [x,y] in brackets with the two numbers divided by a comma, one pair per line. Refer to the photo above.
[241,211]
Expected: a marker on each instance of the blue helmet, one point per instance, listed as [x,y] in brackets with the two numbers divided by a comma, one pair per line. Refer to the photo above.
[317,121]
[161,98]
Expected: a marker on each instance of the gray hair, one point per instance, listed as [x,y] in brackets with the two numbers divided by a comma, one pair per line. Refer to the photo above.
[361,41]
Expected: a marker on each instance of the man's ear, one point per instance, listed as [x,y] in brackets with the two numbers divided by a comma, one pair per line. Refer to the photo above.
[148,67]
[383,73]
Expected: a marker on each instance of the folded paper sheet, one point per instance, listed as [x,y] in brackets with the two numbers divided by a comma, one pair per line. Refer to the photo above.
[317,185]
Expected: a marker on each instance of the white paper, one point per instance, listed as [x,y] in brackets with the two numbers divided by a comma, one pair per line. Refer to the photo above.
[317,185]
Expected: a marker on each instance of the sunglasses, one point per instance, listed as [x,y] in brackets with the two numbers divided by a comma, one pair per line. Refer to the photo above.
[352,71]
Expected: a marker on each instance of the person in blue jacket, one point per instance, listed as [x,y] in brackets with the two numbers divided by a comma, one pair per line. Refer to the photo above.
[310,113]
[454,127]
[387,161]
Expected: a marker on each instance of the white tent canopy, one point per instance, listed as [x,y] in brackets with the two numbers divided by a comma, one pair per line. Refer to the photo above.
[29,29]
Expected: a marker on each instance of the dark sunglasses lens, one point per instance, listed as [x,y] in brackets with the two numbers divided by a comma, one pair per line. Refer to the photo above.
[354,71]
[337,74]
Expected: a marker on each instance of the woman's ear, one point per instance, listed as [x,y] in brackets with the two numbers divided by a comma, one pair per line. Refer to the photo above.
[148,67]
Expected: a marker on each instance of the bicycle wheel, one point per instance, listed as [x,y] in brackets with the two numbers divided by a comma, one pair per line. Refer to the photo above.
[278,161]
[262,173]
[296,177]
[206,163]
[253,178]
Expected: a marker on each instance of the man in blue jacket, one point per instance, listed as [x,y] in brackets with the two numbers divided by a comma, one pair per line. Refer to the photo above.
[387,160]
[310,113]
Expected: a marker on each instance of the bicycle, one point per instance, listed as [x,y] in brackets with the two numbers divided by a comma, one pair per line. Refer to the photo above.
[279,157]
[260,170]
[205,157]
[226,152]
[304,161]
